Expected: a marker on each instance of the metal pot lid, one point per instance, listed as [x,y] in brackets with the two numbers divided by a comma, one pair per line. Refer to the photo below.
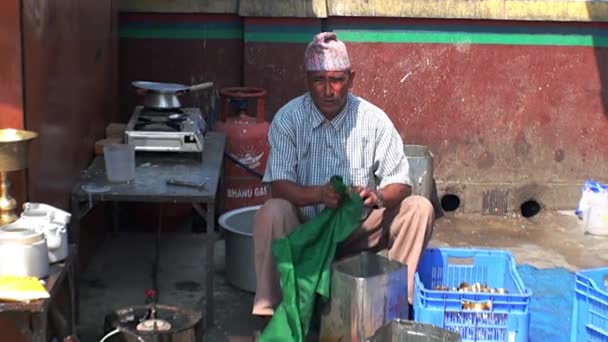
[20,234]
[159,87]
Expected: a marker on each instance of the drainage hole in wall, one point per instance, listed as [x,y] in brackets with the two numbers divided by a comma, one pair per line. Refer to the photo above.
[450,202]
[529,208]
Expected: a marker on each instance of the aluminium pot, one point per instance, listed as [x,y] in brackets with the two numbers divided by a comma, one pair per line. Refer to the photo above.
[238,228]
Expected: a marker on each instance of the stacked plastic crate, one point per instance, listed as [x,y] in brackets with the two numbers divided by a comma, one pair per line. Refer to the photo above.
[590,306]
[497,310]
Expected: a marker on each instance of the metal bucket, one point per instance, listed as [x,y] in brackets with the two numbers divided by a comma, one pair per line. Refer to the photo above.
[238,226]
[408,331]
[420,160]
[185,325]
[367,291]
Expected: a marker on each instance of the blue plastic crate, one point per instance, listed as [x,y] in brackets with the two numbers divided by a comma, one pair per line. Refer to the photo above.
[590,306]
[509,317]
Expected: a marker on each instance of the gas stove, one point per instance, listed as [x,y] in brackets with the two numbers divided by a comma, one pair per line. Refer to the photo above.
[162,130]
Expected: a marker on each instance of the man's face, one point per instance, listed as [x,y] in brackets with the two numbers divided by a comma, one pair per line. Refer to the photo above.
[329,90]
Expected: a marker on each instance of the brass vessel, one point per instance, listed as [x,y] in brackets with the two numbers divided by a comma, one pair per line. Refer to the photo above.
[14,156]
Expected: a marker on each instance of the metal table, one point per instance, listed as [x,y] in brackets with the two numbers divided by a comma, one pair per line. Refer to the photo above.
[61,275]
[153,169]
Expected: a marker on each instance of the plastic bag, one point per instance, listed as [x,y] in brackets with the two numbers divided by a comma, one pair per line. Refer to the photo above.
[304,260]
[592,192]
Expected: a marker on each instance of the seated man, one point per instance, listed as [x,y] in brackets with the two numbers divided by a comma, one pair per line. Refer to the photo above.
[327,132]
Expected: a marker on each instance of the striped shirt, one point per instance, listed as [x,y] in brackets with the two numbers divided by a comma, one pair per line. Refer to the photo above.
[360,144]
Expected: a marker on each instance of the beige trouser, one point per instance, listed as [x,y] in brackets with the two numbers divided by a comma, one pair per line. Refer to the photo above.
[405,230]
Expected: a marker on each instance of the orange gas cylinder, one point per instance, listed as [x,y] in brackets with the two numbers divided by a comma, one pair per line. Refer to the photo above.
[247,147]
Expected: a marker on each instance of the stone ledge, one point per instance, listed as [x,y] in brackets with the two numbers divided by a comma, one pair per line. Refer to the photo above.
[551,196]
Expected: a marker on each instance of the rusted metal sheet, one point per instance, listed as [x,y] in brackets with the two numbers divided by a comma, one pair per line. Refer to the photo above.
[284,8]
[11,100]
[179,6]
[68,75]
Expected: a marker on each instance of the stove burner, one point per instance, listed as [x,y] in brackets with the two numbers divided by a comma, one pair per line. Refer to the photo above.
[147,111]
[160,124]
[154,325]
[167,130]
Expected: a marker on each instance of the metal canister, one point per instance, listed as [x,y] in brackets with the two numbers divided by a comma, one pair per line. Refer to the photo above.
[367,291]
[420,160]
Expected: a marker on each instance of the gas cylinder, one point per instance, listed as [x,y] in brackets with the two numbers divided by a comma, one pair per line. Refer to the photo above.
[247,146]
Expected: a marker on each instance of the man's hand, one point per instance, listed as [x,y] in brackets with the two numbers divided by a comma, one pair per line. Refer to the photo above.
[370,199]
[329,196]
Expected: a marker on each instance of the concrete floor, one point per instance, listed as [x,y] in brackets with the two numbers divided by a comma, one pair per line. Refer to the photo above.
[121,270]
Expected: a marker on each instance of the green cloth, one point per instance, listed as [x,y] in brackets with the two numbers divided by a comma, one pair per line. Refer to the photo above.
[304,260]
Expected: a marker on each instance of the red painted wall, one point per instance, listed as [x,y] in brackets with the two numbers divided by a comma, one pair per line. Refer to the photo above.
[492,113]
[509,112]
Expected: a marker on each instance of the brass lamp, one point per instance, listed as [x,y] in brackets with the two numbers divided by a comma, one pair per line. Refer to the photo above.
[14,152]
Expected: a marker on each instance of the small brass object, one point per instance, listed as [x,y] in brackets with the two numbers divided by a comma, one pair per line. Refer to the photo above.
[14,153]
[502,291]
[466,305]
[477,306]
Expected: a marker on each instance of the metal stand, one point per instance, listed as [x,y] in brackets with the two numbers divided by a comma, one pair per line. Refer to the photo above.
[7,202]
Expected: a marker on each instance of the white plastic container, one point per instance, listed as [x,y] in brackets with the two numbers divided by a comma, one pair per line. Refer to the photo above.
[597,218]
[120,162]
